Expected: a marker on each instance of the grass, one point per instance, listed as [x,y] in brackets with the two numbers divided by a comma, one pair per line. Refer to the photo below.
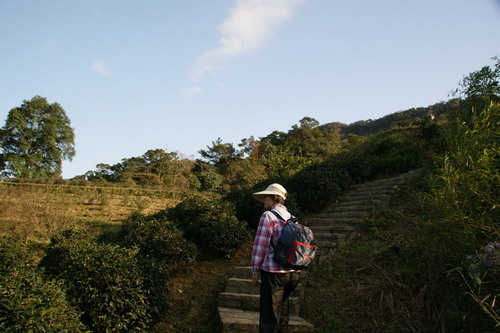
[361,289]
[34,213]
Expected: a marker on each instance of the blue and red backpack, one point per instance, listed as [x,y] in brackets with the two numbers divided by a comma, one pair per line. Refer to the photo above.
[295,247]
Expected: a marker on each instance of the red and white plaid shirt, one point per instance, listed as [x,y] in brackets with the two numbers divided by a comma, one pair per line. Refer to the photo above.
[269,229]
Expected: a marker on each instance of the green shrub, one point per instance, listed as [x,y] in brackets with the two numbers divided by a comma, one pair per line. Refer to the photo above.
[210,224]
[28,302]
[314,186]
[162,247]
[101,280]
[158,239]
[396,153]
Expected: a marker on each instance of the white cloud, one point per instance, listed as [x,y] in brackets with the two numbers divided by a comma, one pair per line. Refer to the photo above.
[101,68]
[249,25]
[192,91]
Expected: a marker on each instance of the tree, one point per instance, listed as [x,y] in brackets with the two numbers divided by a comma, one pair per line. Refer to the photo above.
[221,154]
[483,83]
[36,138]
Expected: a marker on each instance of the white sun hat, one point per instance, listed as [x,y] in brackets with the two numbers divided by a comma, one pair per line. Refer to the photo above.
[273,189]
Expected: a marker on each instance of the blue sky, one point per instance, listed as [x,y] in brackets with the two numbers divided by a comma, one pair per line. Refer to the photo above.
[178,74]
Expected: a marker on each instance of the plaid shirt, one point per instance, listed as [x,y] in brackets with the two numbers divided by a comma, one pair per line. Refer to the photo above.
[269,229]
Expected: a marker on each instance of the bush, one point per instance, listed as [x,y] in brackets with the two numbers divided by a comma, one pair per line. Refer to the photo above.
[158,239]
[102,280]
[162,247]
[28,302]
[210,224]
[321,183]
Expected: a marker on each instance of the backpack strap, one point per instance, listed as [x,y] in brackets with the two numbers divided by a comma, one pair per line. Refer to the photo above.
[277,215]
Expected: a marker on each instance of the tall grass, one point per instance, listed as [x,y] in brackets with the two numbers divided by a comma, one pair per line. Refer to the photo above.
[32,213]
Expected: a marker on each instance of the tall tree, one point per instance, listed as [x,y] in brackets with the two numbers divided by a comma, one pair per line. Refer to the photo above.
[36,138]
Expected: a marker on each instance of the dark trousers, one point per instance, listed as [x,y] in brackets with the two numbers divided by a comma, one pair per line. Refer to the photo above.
[275,289]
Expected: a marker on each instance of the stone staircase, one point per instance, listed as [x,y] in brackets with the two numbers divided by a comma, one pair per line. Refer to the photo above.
[333,227]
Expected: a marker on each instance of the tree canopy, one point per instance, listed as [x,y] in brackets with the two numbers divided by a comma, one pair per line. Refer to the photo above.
[36,138]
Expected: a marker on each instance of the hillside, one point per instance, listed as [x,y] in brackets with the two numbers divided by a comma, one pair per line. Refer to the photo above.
[117,243]
[370,127]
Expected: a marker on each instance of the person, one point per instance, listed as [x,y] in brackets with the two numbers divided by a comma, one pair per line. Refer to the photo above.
[276,282]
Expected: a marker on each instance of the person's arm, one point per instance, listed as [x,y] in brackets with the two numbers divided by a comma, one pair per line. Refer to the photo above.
[260,246]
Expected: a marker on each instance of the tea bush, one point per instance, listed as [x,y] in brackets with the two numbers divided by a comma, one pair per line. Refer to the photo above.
[102,280]
[158,239]
[319,184]
[162,247]
[28,302]
[210,224]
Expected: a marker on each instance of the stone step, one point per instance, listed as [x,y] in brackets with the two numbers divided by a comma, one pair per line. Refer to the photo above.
[340,215]
[333,236]
[250,302]
[356,203]
[333,228]
[366,196]
[347,209]
[380,183]
[243,272]
[373,191]
[376,188]
[353,197]
[325,244]
[239,321]
[245,286]
[315,222]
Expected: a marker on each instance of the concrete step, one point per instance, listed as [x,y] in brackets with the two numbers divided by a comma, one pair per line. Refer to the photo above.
[239,321]
[245,286]
[329,236]
[325,244]
[366,196]
[341,215]
[316,222]
[250,302]
[382,183]
[356,203]
[353,197]
[333,228]
[243,272]
[348,209]
[373,191]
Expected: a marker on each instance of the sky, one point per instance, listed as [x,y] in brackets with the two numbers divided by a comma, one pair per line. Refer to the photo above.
[178,74]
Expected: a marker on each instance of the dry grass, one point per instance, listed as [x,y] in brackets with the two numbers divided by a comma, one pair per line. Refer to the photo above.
[34,213]
[361,289]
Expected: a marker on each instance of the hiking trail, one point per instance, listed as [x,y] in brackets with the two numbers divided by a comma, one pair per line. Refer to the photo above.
[335,225]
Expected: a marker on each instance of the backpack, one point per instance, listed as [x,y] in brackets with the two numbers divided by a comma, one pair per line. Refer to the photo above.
[295,247]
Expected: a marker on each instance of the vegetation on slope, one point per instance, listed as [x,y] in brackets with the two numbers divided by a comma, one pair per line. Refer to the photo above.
[403,261]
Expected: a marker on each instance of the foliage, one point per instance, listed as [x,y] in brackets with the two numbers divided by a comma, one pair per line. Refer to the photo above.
[220,154]
[481,87]
[154,168]
[370,127]
[28,302]
[465,205]
[102,280]
[159,240]
[210,224]
[36,138]
[209,178]
[311,187]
